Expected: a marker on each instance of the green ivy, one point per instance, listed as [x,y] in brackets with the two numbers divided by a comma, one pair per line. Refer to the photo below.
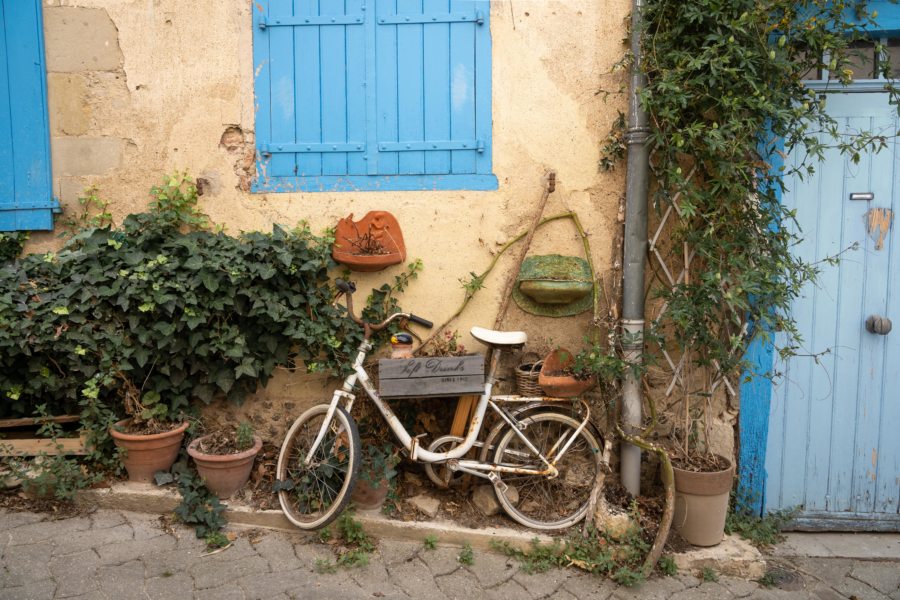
[11,245]
[725,79]
[176,309]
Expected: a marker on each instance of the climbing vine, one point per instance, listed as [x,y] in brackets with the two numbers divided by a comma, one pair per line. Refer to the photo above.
[726,99]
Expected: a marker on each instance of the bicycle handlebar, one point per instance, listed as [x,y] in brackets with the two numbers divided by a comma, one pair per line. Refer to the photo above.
[348,287]
[423,322]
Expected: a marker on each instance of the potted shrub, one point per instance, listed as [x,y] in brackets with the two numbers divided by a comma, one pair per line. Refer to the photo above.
[150,437]
[703,481]
[373,243]
[224,459]
[376,471]
[560,378]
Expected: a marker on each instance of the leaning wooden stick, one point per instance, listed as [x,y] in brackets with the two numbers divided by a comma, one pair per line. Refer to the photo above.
[549,188]
[668,479]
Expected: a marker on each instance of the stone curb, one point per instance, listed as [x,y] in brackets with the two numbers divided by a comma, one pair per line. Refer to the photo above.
[733,556]
[147,498]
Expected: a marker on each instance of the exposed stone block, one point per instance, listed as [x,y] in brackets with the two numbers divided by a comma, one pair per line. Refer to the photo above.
[70,112]
[79,156]
[80,39]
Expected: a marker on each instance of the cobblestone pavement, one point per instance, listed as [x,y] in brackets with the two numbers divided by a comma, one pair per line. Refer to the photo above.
[121,555]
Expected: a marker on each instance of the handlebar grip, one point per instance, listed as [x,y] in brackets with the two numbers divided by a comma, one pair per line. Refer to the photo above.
[348,287]
[421,321]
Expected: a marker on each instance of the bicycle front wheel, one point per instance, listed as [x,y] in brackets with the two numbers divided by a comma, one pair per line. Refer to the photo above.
[538,501]
[313,495]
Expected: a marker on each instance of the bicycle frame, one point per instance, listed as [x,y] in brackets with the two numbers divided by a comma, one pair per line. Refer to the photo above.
[419,454]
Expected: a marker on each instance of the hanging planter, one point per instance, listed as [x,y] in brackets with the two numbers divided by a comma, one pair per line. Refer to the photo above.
[558,378]
[554,285]
[373,243]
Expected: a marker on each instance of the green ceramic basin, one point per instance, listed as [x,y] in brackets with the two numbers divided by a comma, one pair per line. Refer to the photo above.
[554,291]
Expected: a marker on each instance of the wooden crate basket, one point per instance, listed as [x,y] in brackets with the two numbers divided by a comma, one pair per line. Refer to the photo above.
[431,377]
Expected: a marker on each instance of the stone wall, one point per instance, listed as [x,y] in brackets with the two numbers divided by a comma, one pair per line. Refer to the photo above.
[140,88]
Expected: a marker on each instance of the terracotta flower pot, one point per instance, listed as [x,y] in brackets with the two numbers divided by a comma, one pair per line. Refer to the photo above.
[367,497]
[382,227]
[555,383]
[701,504]
[147,454]
[224,474]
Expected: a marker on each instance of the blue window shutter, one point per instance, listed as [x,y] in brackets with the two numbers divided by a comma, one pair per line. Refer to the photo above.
[311,88]
[433,81]
[373,94]
[25,191]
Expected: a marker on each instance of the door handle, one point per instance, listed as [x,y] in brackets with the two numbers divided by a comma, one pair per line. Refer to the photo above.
[879,325]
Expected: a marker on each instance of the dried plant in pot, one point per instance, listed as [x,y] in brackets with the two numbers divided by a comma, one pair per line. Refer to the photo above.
[373,243]
[703,479]
[224,459]
[149,438]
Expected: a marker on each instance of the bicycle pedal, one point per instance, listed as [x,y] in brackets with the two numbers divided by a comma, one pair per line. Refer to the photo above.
[498,483]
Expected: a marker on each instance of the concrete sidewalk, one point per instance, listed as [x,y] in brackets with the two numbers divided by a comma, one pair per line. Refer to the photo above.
[112,554]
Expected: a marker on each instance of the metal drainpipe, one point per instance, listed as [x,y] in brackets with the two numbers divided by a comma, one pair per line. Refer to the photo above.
[635,257]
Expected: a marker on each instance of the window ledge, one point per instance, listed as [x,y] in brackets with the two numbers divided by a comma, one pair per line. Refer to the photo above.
[375,183]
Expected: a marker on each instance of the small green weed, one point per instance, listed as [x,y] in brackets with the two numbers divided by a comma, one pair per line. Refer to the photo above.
[243,435]
[769,580]
[709,575]
[323,565]
[540,558]
[596,552]
[667,566]
[167,574]
[761,531]
[216,539]
[325,535]
[431,542]
[466,556]
[352,545]
[391,504]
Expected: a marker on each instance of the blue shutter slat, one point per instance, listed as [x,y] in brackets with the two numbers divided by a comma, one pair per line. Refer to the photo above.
[356,88]
[7,176]
[263,86]
[334,95]
[283,105]
[26,201]
[483,91]
[386,82]
[462,88]
[437,86]
[410,89]
[308,88]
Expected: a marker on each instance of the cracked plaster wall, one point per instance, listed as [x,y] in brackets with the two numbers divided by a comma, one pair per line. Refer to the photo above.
[141,88]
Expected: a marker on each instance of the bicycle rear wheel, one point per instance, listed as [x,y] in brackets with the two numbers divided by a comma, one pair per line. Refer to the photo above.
[545,503]
[313,496]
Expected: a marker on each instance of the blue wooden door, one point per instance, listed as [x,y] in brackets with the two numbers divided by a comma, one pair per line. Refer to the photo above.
[25,194]
[834,424]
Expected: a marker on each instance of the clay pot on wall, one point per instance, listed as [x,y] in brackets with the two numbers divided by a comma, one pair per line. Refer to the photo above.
[556,378]
[701,504]
[147,454]
[373,243]
[224,474]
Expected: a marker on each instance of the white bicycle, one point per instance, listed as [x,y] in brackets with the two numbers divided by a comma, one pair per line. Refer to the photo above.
[542,456]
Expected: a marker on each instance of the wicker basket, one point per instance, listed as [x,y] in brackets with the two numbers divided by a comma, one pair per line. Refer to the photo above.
[527,377]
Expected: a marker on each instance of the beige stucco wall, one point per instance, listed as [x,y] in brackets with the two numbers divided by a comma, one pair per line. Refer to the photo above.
[141,88]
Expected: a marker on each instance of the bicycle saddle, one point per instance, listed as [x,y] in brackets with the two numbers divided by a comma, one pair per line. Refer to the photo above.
[499,338]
